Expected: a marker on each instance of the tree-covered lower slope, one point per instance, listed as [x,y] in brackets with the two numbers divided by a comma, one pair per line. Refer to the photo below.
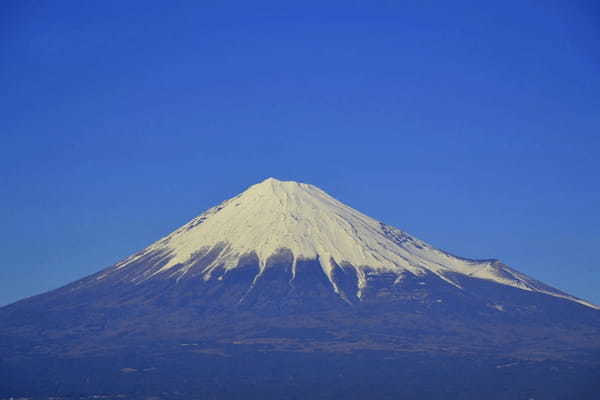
[238,336]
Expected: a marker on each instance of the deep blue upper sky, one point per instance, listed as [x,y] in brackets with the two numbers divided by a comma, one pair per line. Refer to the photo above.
[475,127]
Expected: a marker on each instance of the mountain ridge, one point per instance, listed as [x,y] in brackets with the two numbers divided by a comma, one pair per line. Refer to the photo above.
[222,323]
[274,216]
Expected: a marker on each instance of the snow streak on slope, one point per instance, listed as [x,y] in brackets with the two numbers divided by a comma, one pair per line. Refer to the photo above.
[274,215]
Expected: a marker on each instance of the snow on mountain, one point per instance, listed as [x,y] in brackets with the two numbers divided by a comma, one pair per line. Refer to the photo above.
[274,215]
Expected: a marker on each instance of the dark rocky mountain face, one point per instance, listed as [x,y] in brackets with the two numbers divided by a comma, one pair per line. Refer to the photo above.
[167,336]
[288,329]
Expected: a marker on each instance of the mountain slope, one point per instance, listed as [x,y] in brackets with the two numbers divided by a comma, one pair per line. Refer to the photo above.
[285,280]
[273,216]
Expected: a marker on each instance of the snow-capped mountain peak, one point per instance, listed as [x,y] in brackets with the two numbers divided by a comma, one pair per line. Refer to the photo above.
[274,215]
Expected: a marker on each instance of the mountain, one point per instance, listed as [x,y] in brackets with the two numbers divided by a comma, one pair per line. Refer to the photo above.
[285,292]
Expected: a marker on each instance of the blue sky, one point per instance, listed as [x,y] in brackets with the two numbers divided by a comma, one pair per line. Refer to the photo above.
[475,127]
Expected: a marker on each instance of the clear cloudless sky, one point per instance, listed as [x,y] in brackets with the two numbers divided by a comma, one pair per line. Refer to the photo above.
[473,125]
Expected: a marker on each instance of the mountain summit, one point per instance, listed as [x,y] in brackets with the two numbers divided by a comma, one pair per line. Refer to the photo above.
[274,217]
[285,292]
